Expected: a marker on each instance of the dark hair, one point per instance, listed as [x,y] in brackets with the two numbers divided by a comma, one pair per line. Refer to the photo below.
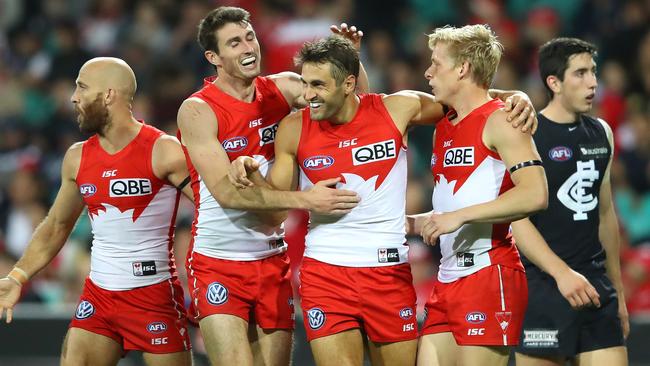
[554,57]
[214,21]
[336,50]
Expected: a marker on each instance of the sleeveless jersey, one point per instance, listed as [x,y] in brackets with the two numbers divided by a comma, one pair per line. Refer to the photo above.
[575,158]
[244,129]
[369,155]
[132,213]
[466,173]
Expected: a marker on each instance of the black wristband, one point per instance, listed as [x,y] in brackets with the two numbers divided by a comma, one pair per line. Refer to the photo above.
[524,164]
[185,182]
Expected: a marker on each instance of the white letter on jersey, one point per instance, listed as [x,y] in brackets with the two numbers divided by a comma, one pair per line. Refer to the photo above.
[573,193]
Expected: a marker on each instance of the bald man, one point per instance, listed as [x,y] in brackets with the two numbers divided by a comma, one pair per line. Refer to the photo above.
[128,174]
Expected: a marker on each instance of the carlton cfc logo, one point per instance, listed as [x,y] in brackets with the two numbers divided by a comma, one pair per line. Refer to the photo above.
[235,144]
[318,162]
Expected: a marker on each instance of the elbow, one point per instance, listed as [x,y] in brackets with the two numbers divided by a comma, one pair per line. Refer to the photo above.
[538,200]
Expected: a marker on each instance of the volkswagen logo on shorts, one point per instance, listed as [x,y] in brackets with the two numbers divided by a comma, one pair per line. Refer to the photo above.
[217,294]
[84,310]
[316,318]
[406,313]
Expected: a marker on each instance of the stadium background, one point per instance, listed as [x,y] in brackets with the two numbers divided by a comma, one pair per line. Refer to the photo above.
[44,43]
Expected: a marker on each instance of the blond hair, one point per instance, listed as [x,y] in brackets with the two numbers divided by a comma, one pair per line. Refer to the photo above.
[475,44]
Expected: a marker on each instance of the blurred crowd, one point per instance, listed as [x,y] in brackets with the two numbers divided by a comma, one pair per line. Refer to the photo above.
[44,43]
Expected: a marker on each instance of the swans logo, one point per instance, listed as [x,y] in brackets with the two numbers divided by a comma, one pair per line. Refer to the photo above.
[318,162]
[316,318]
[85,310]
[217,294]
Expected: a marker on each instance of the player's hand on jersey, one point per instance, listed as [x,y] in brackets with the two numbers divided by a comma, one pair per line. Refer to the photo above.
[521,112]
[623,315]
[577,290]
[9,295]
[351,33]
[438,224]
[325,198]
[240,169]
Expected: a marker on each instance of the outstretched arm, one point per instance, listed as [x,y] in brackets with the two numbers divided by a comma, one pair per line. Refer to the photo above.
[50,235]
[284,173]
[199,130]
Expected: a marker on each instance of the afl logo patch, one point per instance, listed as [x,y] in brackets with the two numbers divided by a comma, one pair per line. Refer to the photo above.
[318,162]
[156,327]
[475,317]
[560,153]
[235,144]
[316,318]
[85,310]
[406,313]
[87,189]
[217,294]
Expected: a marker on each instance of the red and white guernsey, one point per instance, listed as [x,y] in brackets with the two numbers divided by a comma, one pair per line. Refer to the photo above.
[244,129]
[467,173]
[369,155]
[132,213]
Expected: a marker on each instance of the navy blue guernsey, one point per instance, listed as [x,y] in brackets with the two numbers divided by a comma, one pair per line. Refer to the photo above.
[575,157]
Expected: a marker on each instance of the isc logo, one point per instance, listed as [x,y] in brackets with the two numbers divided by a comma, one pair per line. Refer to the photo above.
[374,152]
[235,144]
[87,189]
[318,162]
[475,317]
[475,331]
[156,327]
[459,156]
[129,187]
[159,341]
[408,327]
[560,153]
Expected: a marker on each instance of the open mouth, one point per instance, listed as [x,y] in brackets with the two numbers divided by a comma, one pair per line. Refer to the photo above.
[315,105]
[248,61]
[590,97]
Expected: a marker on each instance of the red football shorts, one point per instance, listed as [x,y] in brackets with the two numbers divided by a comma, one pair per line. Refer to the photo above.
[483,309]
[260,289]
[148,319]
[379,300]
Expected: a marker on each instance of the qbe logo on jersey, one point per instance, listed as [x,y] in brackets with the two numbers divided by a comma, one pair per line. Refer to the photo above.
[129,187]
[267,134]
[378,151]
[459,156]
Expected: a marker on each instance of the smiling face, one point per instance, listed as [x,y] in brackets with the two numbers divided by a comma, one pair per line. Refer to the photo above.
[239,51]
[576,92]
[443,74]
[320,89]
